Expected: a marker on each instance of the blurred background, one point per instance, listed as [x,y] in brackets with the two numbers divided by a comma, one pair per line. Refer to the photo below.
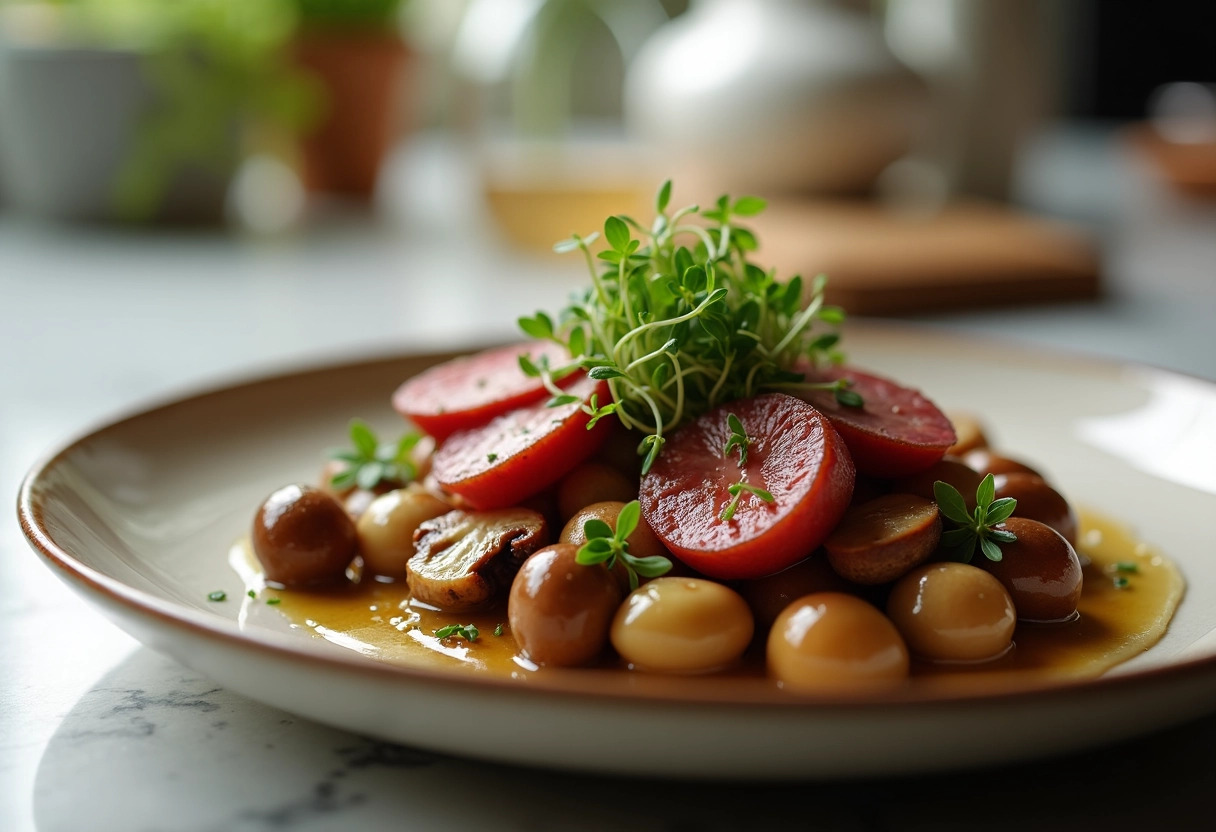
[931,156]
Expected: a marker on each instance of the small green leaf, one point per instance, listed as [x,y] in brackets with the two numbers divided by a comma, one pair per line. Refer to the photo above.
[664,197]
[567,245]
[564,399]
[466,631]
[596,528]
[498,630]
[1000,510]
[605,372]
[217,595]
[950,502]
[363,438]
[369,475]
[616,232]
[540,326]
[1121,582]
[649,567]
[831,315]
[628,519]
[990,549]
[588,554]
[1127,566]
[985,493]
[849,398]
[748,206]
[527,366]
[577,342]
[1002,536]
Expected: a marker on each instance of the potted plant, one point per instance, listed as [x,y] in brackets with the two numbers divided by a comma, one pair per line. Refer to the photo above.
[140,109]
[355,50]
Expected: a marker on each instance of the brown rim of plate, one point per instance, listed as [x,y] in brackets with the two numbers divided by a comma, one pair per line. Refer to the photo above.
[585,683]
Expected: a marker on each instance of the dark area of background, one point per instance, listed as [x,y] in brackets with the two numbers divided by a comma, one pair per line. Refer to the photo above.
[1124,49]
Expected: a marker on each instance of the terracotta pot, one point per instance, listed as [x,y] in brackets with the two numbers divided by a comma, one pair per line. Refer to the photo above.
[362,77]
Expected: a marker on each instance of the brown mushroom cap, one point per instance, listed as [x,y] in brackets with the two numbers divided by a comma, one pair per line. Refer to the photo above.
[463,559]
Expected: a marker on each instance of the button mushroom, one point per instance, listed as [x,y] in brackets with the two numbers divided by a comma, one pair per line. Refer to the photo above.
[463,559]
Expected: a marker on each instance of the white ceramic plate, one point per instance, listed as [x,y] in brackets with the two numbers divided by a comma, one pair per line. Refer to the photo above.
[138,516]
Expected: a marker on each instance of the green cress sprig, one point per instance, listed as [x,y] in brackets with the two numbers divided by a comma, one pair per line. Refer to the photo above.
[740,441]
[372,462]
[676,329]
[978,527]
[607,546]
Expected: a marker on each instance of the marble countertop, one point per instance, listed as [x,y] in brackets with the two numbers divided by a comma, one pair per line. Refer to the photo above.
[100,733]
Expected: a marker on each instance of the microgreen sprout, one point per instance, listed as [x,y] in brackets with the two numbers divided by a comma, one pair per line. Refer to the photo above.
[217,595]
[468,632]
[738,439]
[676,330]
[498,630]
[607,546]
[372,462]
[736,491]
[978,527]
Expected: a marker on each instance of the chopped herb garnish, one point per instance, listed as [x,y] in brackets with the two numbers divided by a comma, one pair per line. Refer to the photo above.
[273,601]
[217,595]
[736,491]
[498,630]
[739,440]
[1121,582]
[1127,566]
[491,457]
[468,632]
[606,546]
[676,330]
[371,462]
[978,528]
[252,594]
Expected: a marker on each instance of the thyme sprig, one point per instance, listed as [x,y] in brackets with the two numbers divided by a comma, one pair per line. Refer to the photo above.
[978,528]
[606,546]
[372,462]
[677,329]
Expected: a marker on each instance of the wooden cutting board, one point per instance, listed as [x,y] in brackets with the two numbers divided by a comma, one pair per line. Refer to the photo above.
[969,255]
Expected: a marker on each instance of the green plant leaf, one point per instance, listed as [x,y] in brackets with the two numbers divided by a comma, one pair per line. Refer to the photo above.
[628,519]
[650,567]
[597,528]
[663,197]
[748,206]
[1000,510]
[950,502]
[616,232]
[990,549]
[985,493]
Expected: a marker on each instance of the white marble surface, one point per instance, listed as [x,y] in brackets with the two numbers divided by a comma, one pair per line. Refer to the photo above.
[99,733]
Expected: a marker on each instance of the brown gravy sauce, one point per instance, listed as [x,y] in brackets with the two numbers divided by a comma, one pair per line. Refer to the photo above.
[379,620]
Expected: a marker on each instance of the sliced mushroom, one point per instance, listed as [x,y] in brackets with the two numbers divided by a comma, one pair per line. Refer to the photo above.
[463,559]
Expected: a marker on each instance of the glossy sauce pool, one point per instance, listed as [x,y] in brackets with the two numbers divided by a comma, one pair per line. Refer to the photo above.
[1115,623]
